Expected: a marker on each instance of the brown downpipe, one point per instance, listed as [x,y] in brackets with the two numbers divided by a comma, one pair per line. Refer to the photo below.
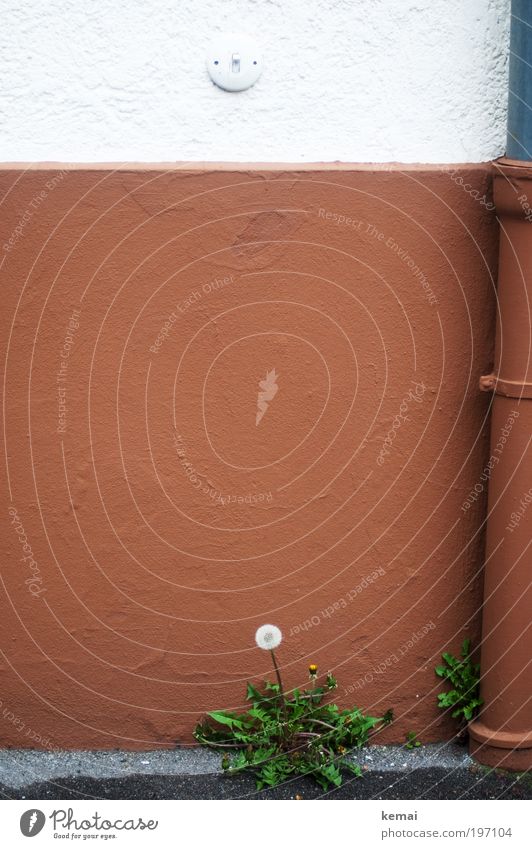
[502,734]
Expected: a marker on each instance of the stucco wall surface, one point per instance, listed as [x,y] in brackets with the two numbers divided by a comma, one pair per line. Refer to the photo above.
[237,396]
[348,80]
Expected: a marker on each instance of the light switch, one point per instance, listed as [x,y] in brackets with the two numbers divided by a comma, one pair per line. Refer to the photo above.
[234,61]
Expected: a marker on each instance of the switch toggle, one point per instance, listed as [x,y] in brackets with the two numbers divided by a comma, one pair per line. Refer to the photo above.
[234,61]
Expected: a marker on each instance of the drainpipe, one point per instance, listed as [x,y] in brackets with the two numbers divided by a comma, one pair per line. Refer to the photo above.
[502,734]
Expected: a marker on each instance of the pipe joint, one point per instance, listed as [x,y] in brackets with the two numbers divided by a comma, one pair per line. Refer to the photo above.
[507,388]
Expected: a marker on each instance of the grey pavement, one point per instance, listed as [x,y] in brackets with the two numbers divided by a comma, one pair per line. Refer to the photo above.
[435,771]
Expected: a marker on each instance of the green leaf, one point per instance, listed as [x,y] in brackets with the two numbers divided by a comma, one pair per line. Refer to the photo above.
[259,713]
[225,718]
[239,761]
[354,768]
[252,694]
[331,774]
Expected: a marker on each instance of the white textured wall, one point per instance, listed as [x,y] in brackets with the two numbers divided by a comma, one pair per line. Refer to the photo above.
[350,80]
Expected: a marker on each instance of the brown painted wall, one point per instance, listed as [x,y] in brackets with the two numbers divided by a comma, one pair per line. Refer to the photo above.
[160,523]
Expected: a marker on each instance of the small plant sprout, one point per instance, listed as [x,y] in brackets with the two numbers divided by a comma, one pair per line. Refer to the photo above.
[285,734]
[463,676]
[411,740]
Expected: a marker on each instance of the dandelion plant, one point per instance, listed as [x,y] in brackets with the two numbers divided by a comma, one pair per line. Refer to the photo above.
[287,734]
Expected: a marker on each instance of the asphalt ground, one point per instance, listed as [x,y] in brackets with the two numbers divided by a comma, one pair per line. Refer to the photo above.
[437,771]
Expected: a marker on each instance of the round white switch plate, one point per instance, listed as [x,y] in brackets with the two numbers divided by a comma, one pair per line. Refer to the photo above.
[234,61]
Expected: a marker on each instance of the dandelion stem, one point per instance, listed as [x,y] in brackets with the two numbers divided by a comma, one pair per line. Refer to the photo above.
[320,722]
[281,690]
